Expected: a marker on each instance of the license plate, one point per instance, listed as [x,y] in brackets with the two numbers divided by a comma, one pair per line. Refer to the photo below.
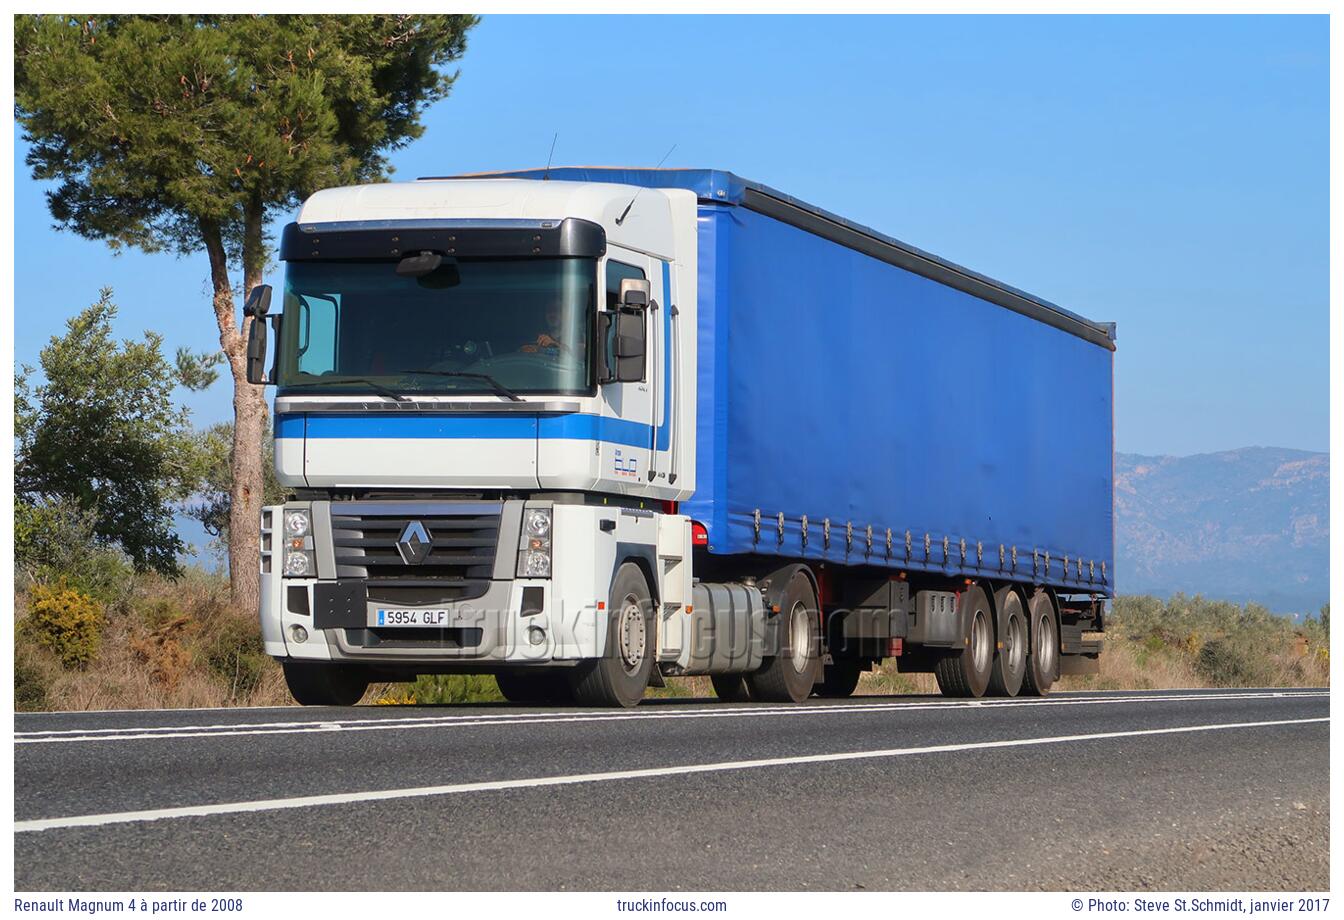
[393,617]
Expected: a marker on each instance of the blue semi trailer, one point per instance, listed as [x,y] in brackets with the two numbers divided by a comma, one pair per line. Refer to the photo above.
[587,428]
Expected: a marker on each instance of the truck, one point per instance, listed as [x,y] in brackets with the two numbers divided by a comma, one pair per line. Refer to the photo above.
[585,429]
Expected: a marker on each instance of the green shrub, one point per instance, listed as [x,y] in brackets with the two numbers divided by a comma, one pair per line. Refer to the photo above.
[1225,663]
[233,651]
[54,541]
[67,621]
[52,534]
[158,612]
[455,688]
[30,686]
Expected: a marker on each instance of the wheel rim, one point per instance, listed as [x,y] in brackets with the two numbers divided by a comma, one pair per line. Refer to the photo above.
[1015,645]
[1045,646]
[800,636]
[632,634]
[981,647]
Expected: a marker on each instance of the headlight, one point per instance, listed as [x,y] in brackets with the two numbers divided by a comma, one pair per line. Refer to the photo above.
[534,555]
[297,523]
[298,563]
[537,523]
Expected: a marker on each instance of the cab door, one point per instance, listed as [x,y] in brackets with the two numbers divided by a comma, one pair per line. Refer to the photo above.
[627,429]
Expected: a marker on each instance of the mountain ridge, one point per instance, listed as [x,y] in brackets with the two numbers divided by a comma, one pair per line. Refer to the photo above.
[1249,524]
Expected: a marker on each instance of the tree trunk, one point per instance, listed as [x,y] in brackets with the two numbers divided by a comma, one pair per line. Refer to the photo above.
[249,416]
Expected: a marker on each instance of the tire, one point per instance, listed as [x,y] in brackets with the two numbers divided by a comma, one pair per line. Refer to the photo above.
[621,675]
[1010,658]
[1043,660]
[840,679]
[320,684]
[966,673]
[788,677]
[540,688]
[730,688]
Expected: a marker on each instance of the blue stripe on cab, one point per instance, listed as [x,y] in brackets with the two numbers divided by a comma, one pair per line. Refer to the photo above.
[289,426]
[574,427]
[427,425]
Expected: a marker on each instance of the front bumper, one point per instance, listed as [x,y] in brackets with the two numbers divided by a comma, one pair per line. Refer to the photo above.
[510,621]
[496,627]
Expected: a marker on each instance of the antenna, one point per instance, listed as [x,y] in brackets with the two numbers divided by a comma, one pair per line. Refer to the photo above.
[547,174]
[621,219]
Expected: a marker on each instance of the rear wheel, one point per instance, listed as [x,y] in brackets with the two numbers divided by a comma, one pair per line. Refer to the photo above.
[534,688]
[325,684]
[840,678]
[967,672]
[731,688]
[788,676]
[621,675]
[1043,661]
[1010,661]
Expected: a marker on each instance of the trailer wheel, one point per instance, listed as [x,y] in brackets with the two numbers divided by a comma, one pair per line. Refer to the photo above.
[839,679]
[621,675]
[967,672]
[534,688]
[323,684]
[788,676]
[1010,660]
[731,688]
[1043,661]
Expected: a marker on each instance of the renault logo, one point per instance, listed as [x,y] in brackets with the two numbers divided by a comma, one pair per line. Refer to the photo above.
[414,543]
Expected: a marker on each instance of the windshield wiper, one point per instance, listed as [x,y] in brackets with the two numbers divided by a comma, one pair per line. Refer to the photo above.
[498,387]
[376,387]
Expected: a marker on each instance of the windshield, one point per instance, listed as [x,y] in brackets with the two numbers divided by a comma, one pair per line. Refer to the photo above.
[470,326]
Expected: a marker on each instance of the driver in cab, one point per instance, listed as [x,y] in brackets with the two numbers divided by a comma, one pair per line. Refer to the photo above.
[548,340]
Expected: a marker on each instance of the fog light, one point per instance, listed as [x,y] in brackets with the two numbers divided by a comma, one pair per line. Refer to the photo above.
[298,633]
[536,635]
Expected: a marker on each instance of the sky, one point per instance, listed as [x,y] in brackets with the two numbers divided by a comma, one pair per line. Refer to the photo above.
[1167,173]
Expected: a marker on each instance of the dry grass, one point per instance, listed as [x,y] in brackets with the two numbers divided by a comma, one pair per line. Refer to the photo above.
[154,654]
[1125,665]
[885,680]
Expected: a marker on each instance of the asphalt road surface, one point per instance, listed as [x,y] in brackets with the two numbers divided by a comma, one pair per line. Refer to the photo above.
[1170,790]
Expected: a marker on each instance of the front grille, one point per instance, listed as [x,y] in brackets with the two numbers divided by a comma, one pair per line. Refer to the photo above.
[458,566]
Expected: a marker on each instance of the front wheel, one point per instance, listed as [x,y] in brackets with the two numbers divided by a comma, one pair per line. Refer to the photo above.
[788,676]
[621,675]
[324,684]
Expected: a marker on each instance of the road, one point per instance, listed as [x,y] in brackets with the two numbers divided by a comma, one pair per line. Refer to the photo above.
[1171,790]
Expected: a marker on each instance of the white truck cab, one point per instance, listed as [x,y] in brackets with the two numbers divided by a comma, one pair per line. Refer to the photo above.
[485,412]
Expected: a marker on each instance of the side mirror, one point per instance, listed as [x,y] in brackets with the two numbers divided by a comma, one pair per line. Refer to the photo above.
[257,306]
[258,301]
[622,334]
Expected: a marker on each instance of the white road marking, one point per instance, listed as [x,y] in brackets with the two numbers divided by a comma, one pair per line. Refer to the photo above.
[229,730]
[379,795]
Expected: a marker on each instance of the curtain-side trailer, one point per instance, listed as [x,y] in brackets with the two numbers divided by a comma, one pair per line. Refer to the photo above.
[587,428]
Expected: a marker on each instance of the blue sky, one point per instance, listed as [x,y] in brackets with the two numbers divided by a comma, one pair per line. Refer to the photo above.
[1167,173]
